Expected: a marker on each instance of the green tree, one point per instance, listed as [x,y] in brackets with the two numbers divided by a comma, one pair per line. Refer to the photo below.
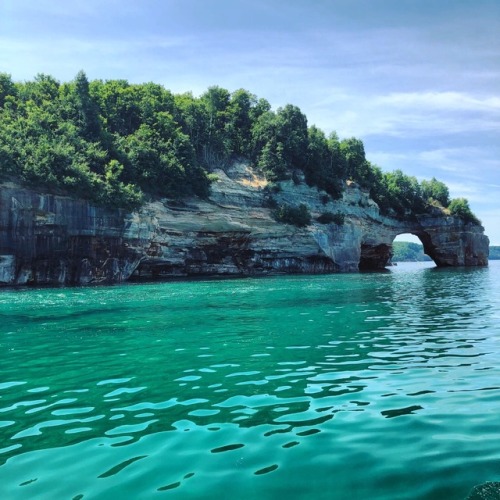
[291,131]
[263,132]
[42,92]
[117,102]
[322,167]
[435,190]
[80,108]
[114,192]
[379,191]
[272,161]
[459,207]
[403,192]
[317,160]
[7,88]
[282,135]
[357,168]
[239,125]
[152,99]
[191,114]
[338,162]
[216,146]
[260,107]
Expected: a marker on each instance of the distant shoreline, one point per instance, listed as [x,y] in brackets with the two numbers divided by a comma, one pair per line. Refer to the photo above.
[405,251]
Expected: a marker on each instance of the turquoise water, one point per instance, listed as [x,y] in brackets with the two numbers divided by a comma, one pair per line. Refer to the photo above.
[380,386]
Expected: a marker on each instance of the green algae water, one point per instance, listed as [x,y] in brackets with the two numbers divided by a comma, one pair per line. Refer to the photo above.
[380,386]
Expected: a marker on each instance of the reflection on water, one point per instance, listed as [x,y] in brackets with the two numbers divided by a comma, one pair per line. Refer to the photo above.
[361,386]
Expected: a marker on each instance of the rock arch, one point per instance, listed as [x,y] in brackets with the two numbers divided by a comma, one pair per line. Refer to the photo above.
[448,241]
[54,239]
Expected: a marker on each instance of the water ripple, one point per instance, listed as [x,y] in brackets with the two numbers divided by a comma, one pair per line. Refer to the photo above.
[230,388]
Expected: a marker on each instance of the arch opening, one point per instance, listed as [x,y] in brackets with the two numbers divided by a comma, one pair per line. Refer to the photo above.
[378,256]
[413,247]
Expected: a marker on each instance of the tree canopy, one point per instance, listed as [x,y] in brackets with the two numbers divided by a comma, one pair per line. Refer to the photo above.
[116,143]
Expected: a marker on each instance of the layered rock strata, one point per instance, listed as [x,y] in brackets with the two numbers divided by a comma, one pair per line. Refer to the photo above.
[50,239]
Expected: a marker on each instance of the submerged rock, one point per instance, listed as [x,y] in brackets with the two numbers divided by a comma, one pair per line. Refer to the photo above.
[51,239]
[486,491]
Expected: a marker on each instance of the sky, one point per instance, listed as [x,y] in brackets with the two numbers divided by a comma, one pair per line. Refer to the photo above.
[418,81]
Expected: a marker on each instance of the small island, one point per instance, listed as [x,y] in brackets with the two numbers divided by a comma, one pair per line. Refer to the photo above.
[103,181]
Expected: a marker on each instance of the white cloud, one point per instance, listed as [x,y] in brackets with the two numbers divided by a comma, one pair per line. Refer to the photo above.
[473,192]
[470,161]
[412,114]
[447,101]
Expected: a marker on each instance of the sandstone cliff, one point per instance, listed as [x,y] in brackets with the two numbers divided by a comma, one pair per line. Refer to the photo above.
[49,239]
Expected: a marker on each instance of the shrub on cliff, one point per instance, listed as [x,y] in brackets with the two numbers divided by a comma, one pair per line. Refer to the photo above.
[331,218]
[460,208]
[296,215]
[435,190]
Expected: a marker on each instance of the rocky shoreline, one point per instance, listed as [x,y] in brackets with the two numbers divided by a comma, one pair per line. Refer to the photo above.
[48,239]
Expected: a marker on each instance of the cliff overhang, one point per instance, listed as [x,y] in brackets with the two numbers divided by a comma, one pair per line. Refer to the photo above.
[55,240]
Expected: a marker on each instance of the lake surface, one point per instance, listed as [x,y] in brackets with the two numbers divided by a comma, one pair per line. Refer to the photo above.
[379,386]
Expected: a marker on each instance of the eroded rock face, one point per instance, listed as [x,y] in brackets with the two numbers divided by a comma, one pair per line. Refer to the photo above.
[48,239]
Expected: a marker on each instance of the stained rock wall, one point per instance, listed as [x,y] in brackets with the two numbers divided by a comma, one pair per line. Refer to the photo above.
[47,239]
[50,239]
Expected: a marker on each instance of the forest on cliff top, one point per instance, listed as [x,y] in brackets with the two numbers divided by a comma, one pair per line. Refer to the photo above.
[118,144]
